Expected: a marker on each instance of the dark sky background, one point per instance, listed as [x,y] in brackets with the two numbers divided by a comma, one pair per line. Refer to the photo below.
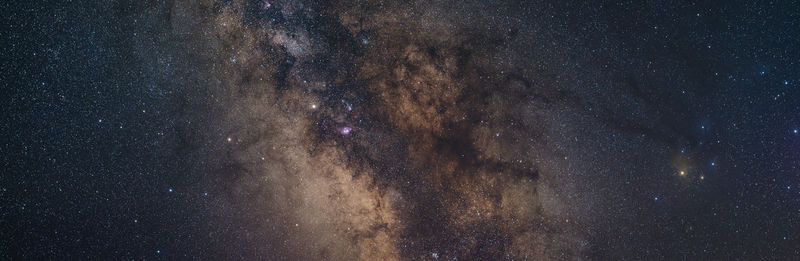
[400,130]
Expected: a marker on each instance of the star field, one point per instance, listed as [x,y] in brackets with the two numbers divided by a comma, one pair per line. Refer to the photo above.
[400,130]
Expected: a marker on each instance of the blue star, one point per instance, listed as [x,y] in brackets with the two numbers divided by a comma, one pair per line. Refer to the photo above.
[713,163]
[655,198]
[785,82]
[170,190]
[795,131]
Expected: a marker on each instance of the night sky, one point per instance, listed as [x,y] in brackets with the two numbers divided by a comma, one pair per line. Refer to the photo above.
[400,130]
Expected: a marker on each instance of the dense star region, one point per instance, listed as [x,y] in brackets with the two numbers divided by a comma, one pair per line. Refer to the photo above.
[400,130]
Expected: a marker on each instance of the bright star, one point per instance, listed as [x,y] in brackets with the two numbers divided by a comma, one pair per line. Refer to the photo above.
[345,130]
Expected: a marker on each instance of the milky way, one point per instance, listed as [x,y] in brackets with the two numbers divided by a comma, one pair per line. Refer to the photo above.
[386,131]
[406,130]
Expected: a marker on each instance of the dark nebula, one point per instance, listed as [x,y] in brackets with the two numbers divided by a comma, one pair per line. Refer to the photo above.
[400,130]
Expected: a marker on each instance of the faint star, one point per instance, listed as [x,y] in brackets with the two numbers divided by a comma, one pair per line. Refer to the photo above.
[655,198]
[795,131]
[170,190]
